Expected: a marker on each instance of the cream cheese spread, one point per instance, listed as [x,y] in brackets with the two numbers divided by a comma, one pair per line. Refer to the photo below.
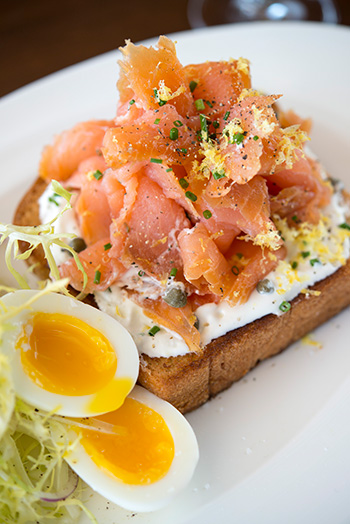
[328,249]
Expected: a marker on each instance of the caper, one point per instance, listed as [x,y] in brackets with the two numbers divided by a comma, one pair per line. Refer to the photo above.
[175,296]
[265,286]
[78,244]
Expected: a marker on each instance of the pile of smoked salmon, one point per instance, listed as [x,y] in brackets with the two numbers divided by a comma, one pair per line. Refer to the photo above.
[183,182]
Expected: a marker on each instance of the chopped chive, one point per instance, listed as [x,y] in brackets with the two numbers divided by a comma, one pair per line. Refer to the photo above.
[53,199]
[199,104]
[173,272]
[183,150]
[156,160]
[97,174]
[170,169]
[295,218]
[208,103]
[285,306]
[191,196]
[216,124]
[345,226]
[157,120]
[178,123]
[204,125]
[153,331]
[226,115]
[174,134]
[141,273]
[294,264]
[255,137]
[160,102]
[132,101]
[108,246]
[183,183]
[219,174]
[305,254]
[207,214]
[97,277]
[237,138]
[314,261]
[235,270]
[193,85]
[239,255]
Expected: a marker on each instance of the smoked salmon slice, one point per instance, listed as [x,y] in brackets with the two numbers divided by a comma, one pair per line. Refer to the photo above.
[151,231]
[218,84]
[204,265]
[100,268]
[180,320]
[311,192]
[149,138]
[155,76]
[249,264]
[62,158]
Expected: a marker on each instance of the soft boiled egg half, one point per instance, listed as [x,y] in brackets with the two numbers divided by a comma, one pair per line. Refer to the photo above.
[66,356]
[143,455]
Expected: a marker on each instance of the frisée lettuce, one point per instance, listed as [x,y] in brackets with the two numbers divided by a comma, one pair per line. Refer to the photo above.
[36,484]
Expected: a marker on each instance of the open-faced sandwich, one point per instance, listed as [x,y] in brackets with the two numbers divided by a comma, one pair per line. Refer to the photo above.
[204,224]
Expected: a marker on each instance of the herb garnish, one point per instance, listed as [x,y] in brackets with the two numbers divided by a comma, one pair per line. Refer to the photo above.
[153,330]
[173,272]
[314,261]
[174,133]
[199,104]
[191,196]
[183,183]
[219,174]
[97,277]
[193,85]
[235,270]
[285,306]
[97,174]
[207,214]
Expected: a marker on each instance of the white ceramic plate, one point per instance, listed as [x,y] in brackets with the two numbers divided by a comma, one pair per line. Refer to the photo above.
[276,446]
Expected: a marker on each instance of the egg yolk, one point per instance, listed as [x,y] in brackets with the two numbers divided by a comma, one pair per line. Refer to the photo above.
[143,451]
[64,355]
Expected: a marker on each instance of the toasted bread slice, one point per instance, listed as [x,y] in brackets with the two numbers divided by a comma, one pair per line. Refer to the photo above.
[190,380]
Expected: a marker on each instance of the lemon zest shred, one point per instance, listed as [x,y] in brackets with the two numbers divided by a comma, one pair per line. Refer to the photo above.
[231,129]
[160,241]
[243,65]
[308,340]
[247,93]
[271,239]
[290,144]
[164,93]
[313,292]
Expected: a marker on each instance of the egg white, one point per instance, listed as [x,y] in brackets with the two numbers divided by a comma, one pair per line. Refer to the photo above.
[158,494]
[119,338]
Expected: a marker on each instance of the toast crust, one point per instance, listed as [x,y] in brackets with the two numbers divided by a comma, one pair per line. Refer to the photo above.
[190,380]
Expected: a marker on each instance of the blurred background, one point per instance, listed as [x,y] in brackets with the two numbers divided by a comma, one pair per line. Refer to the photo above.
[39,37]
